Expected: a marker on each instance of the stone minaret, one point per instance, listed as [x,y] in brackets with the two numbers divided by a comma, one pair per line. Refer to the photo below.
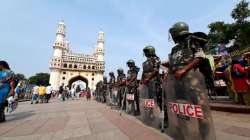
[99,54]
[59,47]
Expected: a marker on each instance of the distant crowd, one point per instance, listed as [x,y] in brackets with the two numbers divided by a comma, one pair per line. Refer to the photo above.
[42,94]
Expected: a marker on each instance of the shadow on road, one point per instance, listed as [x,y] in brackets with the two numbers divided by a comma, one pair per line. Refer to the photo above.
[19,115]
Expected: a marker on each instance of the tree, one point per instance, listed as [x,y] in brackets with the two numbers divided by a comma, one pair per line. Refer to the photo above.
[241,12]
[242,34]
[20,76]
[40,79]
[220,32]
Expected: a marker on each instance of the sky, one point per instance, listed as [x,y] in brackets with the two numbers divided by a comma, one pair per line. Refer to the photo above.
[28,27]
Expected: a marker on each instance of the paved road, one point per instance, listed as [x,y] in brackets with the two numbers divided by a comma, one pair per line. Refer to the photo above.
[73,120]
[232,126]
[82,120]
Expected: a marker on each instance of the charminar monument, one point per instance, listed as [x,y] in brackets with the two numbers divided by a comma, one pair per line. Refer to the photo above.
[67,67]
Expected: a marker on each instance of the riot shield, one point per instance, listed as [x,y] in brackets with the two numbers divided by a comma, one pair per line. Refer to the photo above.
[114,97]
[187,107]
[97,96]
[150,111]
[104,96]
[109,96]
[130,100]
[120,95]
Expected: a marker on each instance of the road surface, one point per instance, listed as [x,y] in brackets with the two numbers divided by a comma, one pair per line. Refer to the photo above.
[89,120]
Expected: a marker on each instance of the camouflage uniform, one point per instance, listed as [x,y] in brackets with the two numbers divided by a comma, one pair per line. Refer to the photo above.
[98,91]
[104,89]
[150,65]
[149,90]
[121,78]
[132,106]
[189,89]
[111,85]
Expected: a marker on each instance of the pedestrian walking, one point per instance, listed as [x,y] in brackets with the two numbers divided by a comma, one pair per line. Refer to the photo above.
[66,92]
[239,77]
[6,87]
[88,94]
[35,94]
[72,92]
[78,92]
[49,90]
[42,92]
[19,89]
[60,96]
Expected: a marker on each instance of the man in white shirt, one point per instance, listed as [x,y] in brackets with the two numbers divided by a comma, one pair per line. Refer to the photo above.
[49,90]
[72,91]
[35,94]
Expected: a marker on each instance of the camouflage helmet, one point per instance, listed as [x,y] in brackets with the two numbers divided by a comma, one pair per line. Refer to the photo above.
[131,62]
[120,70]
[179,29]
[111,73]
[104,78]
[149,50]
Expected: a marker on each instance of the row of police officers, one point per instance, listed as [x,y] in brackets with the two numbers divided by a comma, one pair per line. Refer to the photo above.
[175,101]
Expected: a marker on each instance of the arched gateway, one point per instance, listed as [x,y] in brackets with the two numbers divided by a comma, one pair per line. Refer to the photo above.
[67,67]
[77,78]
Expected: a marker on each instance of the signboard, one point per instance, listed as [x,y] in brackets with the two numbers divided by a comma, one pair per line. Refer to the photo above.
[130,97]
[115,93]
[189,110]
[149,103]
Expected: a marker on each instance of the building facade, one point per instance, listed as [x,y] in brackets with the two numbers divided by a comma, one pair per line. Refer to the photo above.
[67,67]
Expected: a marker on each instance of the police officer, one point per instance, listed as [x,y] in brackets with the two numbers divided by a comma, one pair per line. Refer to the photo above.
[132,97]
[150,112]
[121,78]
[104,89]
[150,68]
[99,91]
[111,86]
[188,109]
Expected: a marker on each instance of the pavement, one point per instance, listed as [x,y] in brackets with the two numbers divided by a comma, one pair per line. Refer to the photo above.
[73,120]
[89,120]
[231,126]
[227,105]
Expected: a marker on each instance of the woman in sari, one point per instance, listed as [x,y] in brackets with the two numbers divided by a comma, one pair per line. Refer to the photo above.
[239,77]
[6,87]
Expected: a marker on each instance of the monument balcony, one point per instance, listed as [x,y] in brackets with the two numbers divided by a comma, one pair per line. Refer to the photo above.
[55,64]
[60,31]
[79,69]
[59,44]
[54,67]
[56,60]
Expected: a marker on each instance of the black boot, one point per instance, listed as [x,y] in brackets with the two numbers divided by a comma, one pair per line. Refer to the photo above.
[2,115]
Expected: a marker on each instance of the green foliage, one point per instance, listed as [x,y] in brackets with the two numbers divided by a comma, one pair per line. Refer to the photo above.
[20,76]
[241,12]
[40,79]
[242,34]
[221,32]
